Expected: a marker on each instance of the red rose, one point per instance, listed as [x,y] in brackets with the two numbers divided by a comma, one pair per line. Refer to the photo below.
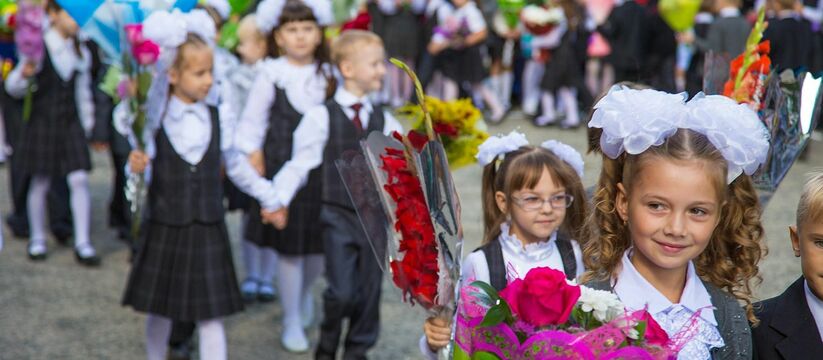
[655,335]
[542,298]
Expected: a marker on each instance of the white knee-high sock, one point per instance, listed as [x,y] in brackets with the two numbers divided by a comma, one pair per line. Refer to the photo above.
[251,258]
[506,84]
[450,89]
[158,329]
[491,100]
[532,74]
[212,340]
[569,99]
[36,201]
[290,277]
[312,269]
[268,264]
[80,200]
[549,113]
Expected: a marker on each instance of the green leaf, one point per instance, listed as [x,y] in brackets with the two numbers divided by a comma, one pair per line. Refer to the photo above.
[143,84]
[488,289]
[460,354]
[482,355]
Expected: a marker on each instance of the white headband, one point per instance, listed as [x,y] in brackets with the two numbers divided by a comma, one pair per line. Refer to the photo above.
[496,146]
[634,120]
[169,30]
[268,13]
[221,6]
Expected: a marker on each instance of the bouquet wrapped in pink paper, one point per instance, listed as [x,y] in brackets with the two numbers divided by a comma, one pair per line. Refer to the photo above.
[542,316]
[28,37]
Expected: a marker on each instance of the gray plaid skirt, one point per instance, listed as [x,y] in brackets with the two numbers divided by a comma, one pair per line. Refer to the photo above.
[184,273]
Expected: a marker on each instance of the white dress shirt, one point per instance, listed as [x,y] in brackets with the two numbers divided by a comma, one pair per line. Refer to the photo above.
[65,60]
[389,7]
[310,138]
[816,308]
[636,293]
[519,258]
[468,13]
[187,126]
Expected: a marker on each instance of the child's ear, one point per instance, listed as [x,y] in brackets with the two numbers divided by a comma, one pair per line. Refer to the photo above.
[502,204]
[345,68]
[795,240]
[621,203]
[174,75]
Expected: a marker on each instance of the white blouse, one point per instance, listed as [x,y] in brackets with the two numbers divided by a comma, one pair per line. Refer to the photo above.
[637,293]
[815,307]
[310,140]
[304,88]
[519,258]
[65,60]
[469,14]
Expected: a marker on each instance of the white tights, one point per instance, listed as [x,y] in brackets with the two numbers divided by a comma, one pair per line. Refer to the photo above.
[80,202]
[295,277]
[211,332]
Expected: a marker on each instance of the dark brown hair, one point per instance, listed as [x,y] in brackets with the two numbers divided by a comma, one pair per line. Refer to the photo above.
[53,7]
[296,10]
[522,169]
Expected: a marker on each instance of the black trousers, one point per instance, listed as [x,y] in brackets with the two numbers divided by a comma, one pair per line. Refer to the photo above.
[354,279]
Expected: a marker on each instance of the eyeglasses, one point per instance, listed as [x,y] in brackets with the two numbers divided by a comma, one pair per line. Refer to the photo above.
[532,203]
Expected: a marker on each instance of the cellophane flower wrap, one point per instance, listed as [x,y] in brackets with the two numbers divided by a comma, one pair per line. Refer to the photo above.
[748,71]
[134,87]
[788,103]
[458,123]
[544,316]
[28,37]
[405,198]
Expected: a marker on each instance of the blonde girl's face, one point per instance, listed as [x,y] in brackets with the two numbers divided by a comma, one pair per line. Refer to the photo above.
[251,47]
[192,80]
[299,39]
[535,213]
[671,210]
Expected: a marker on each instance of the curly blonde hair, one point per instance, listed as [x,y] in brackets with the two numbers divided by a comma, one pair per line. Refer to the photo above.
[731,257]
[522,169]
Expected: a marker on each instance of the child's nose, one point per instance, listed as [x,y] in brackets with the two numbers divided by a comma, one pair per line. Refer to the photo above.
[676,225]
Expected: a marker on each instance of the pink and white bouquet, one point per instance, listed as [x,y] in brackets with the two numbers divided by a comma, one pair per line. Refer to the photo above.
[543,316]
[541,19]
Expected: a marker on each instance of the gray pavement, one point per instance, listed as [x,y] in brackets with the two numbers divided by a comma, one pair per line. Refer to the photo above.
[59,310]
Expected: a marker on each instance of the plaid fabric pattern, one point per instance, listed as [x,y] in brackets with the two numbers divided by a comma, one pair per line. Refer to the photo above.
[53,142]
[342,137]
[184,273]
[302,235]
[181,193]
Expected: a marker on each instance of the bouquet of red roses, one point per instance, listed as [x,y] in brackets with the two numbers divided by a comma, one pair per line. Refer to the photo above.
[542,316]
[405,198]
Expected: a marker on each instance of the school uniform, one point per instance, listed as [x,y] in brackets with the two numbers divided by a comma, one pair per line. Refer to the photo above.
[464,65]
[790,326]
[353,274]
[183,270]
[282,93]
[722,333]
[506,258]
[726,35]
[53,140]
[703,22]
[627,31]
[237,85]
[398,26]
[791,41]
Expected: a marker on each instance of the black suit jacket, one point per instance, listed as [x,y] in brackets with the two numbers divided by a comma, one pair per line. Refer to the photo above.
[792,44]
[787,329]
[627,31]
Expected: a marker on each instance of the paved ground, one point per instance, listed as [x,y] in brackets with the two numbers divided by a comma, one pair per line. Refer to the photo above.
[58,310]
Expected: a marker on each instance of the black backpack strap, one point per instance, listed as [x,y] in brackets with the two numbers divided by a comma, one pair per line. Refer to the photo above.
[497,266]
[564,245]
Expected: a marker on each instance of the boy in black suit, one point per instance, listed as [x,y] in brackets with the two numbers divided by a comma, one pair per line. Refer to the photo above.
[791,324]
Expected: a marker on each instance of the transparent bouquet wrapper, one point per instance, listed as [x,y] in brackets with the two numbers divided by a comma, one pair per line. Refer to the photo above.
[791,103]
[365,182]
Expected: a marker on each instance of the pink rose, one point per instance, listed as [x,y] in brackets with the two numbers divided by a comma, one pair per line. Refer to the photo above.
[542,298]
[146,53]
[134,33]
[655,335]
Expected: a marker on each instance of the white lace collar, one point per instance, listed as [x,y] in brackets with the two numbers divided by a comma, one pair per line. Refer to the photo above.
[531,252]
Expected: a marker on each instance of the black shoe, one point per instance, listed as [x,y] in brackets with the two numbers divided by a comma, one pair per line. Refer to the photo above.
[179,352]
[90,261]
[62,234]
[39,256]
